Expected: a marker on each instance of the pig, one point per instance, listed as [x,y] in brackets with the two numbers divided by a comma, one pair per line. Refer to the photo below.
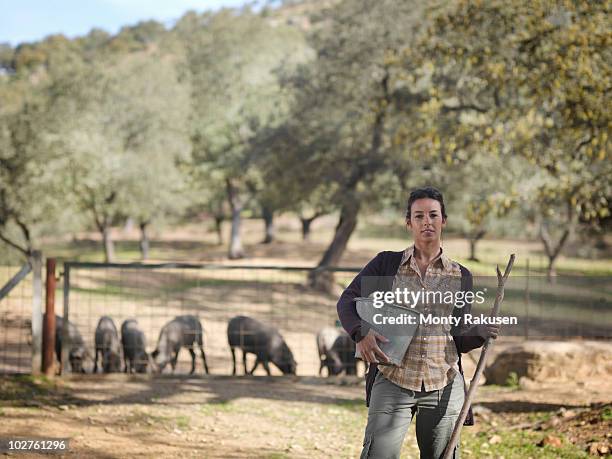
[343,350]
[78,352]
[182,331]
[133,341]
[262,340]
[328,358]
[108,345]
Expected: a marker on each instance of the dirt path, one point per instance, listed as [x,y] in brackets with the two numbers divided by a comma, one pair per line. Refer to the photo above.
[223,417]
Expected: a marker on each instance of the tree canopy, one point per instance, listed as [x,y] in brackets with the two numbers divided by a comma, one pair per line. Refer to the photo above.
[316,108]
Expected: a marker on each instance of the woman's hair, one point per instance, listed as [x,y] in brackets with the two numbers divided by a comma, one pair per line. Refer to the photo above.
[424,193]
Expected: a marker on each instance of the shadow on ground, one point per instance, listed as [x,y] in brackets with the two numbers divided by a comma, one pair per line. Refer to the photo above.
[111,389]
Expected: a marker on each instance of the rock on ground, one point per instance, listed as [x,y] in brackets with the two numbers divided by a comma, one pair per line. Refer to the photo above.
[546,360]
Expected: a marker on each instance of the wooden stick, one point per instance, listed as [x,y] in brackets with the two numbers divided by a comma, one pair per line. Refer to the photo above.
[501,280]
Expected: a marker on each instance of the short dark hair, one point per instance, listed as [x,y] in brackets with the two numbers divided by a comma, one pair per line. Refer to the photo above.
[424,193]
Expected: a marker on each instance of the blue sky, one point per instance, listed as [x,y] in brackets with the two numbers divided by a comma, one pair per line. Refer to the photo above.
[31,20]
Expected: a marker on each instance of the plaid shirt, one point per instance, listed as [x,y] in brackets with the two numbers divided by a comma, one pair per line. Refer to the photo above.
[431,360]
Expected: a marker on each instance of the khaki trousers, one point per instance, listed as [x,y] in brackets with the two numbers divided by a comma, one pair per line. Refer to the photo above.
[391,410]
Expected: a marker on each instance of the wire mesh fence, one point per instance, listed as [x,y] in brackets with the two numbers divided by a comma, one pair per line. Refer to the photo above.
[154,295]
[278,297]
[15,318]
[564,308]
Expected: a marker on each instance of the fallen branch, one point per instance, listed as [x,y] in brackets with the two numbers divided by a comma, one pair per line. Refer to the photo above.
[501,281]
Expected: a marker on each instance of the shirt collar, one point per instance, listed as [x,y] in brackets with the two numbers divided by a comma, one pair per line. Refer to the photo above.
[442,258]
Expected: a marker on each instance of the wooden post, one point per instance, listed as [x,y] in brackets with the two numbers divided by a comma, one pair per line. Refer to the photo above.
[454,440]
[65,335]
[49,320]
[527,300]
[36,262]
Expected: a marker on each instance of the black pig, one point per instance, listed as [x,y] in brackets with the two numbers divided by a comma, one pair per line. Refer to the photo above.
[78,352]
[343,349]
[329,358]
[182,331]
[107,344]
[134,354]
[262,340]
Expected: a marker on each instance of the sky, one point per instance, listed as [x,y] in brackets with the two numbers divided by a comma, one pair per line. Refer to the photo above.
[32,20]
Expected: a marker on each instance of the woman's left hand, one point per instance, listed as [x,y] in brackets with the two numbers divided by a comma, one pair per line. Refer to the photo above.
[487,331]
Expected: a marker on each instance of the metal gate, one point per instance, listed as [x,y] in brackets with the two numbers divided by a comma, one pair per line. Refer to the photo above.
[155,294]
[21,317]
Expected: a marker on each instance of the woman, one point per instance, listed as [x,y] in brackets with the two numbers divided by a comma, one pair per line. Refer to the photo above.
[429,381]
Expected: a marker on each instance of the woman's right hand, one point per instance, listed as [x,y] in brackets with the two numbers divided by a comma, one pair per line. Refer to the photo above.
[368,347]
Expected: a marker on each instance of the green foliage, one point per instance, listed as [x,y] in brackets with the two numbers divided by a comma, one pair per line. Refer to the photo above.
[512,380]
[27,387]
[516,444]
[339,135]
[501,104]
[526,78]
[233,61]
[123,135]
[29,174]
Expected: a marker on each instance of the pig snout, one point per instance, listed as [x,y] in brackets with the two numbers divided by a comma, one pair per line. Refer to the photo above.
[159,360]
[141,362]
[111,362]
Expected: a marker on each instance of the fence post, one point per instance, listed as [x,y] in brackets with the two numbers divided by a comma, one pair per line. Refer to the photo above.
[36,261]
[527,300]
[65,335]
[49,320]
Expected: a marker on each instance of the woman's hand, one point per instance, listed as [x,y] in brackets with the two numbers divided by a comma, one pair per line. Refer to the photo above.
[487,331]
[368,347]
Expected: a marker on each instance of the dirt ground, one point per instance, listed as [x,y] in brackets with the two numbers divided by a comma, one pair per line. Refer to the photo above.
[117,416]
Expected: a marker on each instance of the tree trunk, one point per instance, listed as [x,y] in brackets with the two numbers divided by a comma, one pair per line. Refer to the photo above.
[268,218]
[27,236]
[551,270]
[103,222]
[109,247]
[144,241]
[473,241]
[319,278]
[129,225]
[235,247]
[26,251]
[552,250]
[306,222]
[219,228]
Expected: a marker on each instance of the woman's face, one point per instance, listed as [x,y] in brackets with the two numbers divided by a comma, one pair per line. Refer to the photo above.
[426,220]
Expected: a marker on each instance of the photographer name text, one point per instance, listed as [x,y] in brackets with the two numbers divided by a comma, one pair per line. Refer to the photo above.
[432,319]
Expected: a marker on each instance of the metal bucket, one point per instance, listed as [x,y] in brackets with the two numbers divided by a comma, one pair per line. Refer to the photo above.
[396,323]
